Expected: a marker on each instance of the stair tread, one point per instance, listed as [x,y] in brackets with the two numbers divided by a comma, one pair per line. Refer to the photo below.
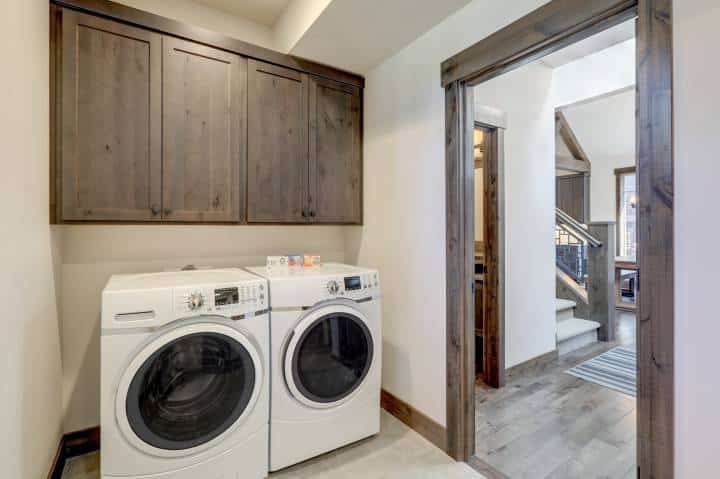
[575,327]
[563,304]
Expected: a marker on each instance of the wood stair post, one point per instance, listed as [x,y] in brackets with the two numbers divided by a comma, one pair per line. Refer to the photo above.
[601,279]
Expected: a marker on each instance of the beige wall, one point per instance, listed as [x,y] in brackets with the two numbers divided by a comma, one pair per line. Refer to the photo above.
[404,171]
[92,253]
[30,412]
[191,13]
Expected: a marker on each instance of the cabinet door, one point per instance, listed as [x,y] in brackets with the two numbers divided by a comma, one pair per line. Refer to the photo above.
[110,122]
[204,141]
[335,153]
[277,151]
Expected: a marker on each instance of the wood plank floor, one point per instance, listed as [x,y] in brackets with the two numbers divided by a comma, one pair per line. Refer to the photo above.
[546,424]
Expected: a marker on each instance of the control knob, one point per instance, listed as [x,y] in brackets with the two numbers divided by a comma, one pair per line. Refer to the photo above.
[333,287]
[195,301]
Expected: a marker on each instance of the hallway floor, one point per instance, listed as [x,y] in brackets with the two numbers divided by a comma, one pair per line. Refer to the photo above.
[397,452]
[545,424]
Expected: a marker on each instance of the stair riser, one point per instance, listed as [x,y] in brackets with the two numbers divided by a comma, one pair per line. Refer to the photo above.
[564,314]
[577,342]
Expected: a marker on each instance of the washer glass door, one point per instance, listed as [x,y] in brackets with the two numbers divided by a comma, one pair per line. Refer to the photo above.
[190,390]
[329,356]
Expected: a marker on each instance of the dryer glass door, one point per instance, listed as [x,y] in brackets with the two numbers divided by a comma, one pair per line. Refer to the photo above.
[331,357]
[190,391]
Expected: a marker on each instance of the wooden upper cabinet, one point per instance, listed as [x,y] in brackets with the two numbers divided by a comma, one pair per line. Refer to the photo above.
[277,153]
[110,130]
[204,135]
[335,152]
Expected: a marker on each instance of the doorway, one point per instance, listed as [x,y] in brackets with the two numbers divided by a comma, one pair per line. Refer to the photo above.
[563,23]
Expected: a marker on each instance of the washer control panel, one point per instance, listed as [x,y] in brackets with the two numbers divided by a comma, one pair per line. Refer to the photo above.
[354,287]
[226,299]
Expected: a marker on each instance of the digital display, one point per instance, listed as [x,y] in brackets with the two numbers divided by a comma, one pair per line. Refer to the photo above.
[226,296]
[353,283]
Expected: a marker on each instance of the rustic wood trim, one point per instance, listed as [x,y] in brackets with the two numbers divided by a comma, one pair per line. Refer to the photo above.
[566,133]
[550,28]
[74,444]
[494,260]
[618,173]
[140,18]
[55,87]
[571,164]
[656,320]
[414,419]
[460,232]
[601,280]
[536,363]
[487,471]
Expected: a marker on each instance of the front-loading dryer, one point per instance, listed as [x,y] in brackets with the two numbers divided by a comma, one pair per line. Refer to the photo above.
[185,376]
[326,345]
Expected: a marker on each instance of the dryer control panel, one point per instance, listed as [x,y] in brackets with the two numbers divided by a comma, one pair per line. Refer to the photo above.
[353,287]
[225,300]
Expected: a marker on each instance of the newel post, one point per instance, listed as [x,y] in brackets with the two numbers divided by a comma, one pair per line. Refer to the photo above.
[601,280]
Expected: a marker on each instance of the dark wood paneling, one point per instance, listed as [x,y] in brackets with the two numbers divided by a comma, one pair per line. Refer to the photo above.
[335,152]
[160,24]
[552,27]
[110,120]
[494,283]
[278,152]
[570,196]
[414,419]
[655,240]
[204,134]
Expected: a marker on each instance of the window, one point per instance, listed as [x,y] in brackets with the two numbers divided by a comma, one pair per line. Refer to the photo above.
[626,212]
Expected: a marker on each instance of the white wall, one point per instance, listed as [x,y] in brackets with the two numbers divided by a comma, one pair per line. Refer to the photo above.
[191,13]
[605,127]
[92,253]
[525,96]
[30,412]
[607,71]
[404,172]
[697,262]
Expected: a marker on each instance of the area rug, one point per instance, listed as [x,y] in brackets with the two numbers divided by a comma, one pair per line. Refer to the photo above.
[615,369]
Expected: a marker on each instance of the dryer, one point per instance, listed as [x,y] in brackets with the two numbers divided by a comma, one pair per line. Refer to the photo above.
[326,346]
[185,376]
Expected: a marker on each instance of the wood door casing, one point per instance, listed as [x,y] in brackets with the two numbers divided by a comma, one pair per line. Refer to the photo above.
[204,139]
[111,120]
[277,157]
[335,152]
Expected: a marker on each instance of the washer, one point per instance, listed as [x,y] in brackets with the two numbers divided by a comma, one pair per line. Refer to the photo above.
[185,376]
[326,347]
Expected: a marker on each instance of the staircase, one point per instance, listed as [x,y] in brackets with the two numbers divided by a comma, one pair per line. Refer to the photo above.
[572,333]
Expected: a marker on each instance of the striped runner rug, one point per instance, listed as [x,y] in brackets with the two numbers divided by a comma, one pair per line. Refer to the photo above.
[615,369]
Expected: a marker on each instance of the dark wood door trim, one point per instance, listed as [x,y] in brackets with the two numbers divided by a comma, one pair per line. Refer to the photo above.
[140,18]
[551,27]
[554,26]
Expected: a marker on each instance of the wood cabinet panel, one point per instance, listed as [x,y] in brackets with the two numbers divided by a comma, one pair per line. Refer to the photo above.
[110,115]
[335,152]
[571,196]
[277,154]
[204,139]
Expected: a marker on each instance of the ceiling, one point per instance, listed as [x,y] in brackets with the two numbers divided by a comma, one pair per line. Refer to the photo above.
[605,39]
[357,35]
[264,12]
[605,127]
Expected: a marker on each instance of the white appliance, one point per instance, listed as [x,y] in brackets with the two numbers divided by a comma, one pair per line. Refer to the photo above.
[185,376]
[326,357]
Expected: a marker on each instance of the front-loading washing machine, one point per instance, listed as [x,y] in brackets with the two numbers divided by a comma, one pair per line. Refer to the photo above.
[185,376]
[326,345]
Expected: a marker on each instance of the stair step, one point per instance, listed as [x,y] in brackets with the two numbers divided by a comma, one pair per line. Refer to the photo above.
[563,304]
[573,327]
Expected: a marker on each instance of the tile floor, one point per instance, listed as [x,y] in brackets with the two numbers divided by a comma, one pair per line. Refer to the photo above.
[397,453]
